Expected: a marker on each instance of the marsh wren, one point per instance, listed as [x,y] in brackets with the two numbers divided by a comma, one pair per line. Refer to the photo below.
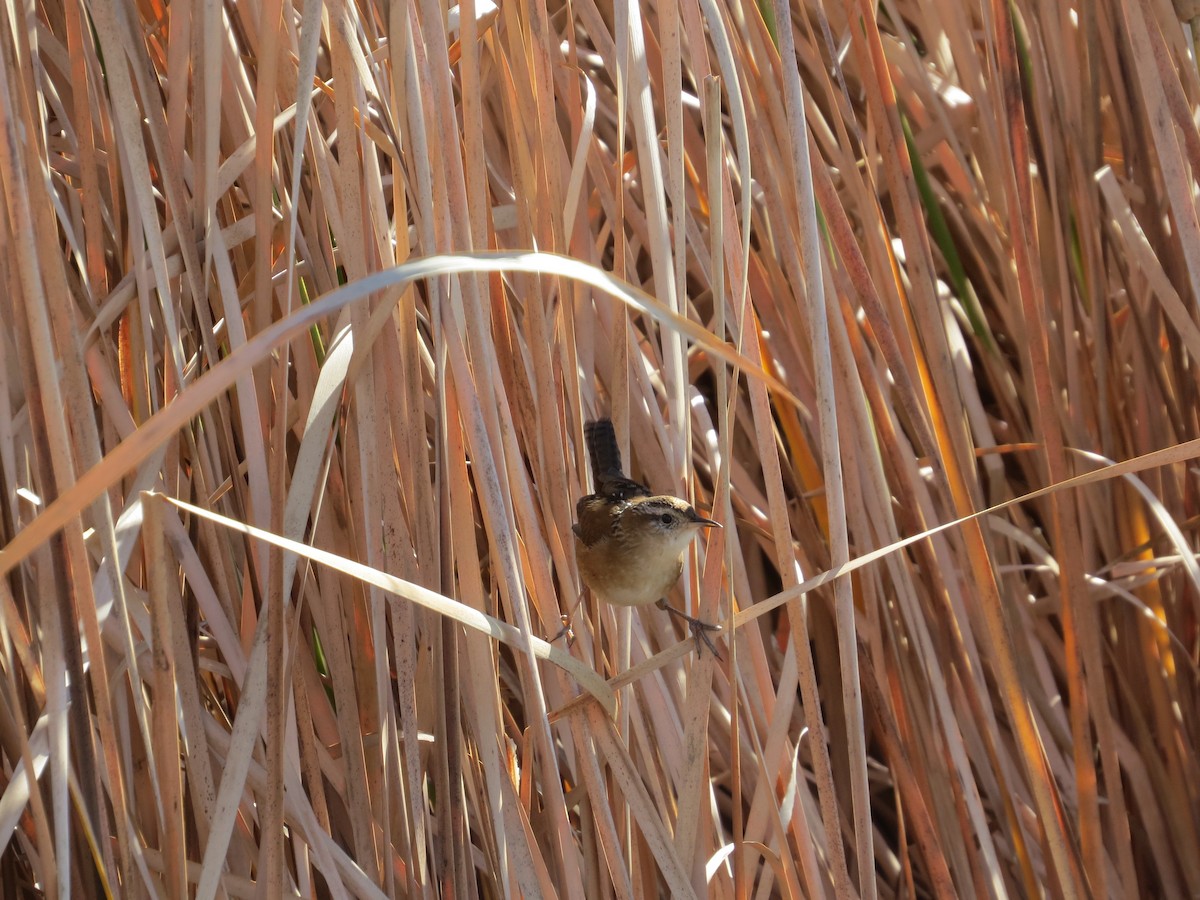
[629,543]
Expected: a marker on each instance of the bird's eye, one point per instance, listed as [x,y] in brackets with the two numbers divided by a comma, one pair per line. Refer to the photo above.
[665,518]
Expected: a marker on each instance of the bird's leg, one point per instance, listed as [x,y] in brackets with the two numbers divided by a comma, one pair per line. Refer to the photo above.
[699,629]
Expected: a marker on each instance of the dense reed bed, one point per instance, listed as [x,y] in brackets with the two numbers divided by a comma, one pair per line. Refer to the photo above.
[305,306]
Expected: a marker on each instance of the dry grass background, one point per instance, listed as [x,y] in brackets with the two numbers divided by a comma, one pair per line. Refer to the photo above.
[910,264]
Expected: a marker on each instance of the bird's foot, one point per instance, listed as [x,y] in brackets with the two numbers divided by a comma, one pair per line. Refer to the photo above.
[566,631]
[699,629]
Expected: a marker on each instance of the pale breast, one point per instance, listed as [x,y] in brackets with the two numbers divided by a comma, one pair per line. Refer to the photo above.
[626,578]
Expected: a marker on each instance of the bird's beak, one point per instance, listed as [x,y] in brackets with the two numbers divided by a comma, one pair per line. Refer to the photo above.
[700,520]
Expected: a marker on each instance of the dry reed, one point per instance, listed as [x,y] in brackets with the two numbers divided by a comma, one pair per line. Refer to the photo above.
[290,421]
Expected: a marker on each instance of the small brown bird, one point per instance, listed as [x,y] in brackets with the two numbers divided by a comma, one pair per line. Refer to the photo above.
[629,544]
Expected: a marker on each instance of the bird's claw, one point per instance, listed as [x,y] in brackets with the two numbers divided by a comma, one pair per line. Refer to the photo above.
[700,629]
[566,631]
[700,632]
